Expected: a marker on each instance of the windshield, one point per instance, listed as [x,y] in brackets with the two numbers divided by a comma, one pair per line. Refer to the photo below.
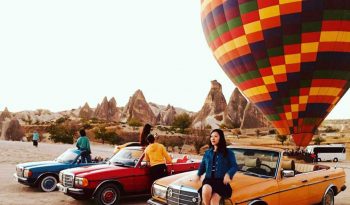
[261,163]
[126,157]
[67,157]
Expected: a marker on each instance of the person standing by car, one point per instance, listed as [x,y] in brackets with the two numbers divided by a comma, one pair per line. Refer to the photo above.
[157,156]
[35,138]
[83,144]
[219,165]
[144,133]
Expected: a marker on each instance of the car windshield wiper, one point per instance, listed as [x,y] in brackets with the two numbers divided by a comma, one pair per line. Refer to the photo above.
[255,174]
[119,164]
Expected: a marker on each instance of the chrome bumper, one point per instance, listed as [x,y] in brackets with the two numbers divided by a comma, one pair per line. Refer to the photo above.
[67,190]
[21,180]
[154,202]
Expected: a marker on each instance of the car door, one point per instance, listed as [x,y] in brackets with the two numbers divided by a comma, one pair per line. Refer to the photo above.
[141,177]
[319,182]
[294,190]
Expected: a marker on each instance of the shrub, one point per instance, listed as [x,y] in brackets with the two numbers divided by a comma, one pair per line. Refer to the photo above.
[134,122]
[318,140]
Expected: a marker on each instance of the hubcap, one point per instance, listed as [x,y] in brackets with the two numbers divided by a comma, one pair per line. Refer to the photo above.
[109,196]
[329,199]
[48,184]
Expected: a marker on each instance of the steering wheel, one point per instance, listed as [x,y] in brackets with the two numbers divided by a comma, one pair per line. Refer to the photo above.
[266,167]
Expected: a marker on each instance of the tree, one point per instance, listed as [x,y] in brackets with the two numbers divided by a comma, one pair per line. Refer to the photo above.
[318,140]
[199,138]
[63,131]
[107,136]
[182,122]
[281,138]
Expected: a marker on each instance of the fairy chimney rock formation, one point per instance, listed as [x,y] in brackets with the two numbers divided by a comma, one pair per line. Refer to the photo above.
[234,112]
[107,110]
[253,118]
[168,115]
[213,109]
[86,112]
[14,131]
[5,114]
[138,108]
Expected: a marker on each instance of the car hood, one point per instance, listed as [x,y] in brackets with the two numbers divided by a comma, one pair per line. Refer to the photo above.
[102,171]
[239,181]
[43,164]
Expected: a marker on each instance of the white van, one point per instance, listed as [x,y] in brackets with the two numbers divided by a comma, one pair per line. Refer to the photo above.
[330,152]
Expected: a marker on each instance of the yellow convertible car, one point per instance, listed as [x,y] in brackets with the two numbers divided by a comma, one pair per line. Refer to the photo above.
[265,176]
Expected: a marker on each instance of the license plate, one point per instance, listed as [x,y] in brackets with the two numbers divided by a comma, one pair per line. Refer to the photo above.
[62,189]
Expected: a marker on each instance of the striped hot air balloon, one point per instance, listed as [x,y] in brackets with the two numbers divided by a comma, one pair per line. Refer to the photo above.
[289,57]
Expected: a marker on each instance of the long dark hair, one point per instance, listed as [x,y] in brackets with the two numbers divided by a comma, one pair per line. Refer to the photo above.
[145,132]
[222,142]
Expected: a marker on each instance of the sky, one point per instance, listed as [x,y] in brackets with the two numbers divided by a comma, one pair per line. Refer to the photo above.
[57,55]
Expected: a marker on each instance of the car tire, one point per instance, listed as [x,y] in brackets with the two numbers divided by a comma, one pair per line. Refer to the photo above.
[48,183]
[107,194]
[318,159]
[328,198]
[335,160]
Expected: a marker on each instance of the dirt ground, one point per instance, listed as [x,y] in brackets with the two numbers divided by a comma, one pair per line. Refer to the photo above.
[13,193]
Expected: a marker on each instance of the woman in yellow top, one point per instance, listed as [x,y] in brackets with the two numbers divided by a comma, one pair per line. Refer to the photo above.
[156,154]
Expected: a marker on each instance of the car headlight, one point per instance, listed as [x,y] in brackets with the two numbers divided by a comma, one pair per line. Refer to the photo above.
[81,182]
[27,173]
[159,191]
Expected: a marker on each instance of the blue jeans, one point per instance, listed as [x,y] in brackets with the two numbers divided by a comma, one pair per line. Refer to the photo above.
[85,156]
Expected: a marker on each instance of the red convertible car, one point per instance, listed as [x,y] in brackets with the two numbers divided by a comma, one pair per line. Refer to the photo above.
[126,173]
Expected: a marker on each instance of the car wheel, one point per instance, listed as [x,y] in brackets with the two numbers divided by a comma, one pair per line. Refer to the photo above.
[335,160]
[108,194]
[328,198]
[48,183]
[318,159]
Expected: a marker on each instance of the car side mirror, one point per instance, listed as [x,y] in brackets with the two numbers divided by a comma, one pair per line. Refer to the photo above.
[143,164]
[288,173]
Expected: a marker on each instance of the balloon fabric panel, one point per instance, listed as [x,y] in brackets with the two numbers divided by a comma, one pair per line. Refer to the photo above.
[289,57]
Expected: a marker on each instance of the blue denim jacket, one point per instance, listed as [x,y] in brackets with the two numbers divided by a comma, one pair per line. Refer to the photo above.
[223,164]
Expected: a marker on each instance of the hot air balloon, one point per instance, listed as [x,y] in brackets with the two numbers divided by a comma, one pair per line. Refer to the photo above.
[291,58]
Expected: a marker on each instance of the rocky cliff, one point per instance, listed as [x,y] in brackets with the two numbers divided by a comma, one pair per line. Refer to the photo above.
[138,108]
[212,112]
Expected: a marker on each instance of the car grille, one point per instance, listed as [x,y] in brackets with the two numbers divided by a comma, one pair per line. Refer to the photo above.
[177,195]
[67,180]
[19,171]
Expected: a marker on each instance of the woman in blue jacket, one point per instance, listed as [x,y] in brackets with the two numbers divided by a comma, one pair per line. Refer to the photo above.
[219,165]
